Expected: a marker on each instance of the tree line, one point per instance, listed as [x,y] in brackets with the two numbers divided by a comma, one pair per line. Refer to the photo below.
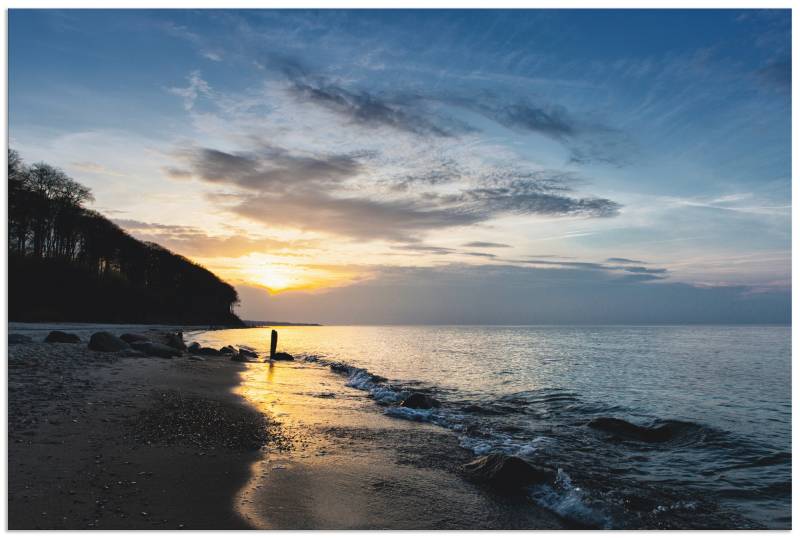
[69,263]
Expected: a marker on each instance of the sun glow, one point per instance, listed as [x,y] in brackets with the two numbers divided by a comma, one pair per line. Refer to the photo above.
[279,278]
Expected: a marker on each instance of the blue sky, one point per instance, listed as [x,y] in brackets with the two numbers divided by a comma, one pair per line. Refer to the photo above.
[306,155]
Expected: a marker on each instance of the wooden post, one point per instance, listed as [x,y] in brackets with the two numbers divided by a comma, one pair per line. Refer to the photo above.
[273,346]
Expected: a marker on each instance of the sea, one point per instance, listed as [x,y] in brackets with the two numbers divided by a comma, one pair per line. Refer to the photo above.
[648,426]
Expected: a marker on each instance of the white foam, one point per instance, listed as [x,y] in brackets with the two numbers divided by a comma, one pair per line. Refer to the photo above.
[419,415]
[568,501]
[481,446]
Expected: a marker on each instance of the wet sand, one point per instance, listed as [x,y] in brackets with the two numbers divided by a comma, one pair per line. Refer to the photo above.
[352,467]
[100,440]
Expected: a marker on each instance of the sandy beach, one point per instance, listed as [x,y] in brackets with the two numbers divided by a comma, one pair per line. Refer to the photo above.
[92,444]
[112,441]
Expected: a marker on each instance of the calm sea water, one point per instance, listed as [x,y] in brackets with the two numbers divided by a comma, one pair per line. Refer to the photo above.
[706,409]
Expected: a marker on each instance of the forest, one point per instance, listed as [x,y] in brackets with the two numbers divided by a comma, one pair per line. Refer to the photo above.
[69,263]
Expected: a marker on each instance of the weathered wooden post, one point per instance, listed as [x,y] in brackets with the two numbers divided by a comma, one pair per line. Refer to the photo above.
[273,344]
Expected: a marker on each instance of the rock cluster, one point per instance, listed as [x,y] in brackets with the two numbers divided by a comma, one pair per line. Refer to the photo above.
[165,345]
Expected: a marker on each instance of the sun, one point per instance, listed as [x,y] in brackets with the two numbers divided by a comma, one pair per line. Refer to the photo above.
[278,278]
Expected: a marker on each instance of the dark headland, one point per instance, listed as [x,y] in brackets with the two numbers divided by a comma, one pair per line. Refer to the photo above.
[69,263]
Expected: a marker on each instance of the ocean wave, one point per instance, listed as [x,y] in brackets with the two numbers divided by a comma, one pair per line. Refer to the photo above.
[362,379]
[493,443]
[552,426]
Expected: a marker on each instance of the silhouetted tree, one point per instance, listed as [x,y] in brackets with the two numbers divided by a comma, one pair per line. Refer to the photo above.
[70,263]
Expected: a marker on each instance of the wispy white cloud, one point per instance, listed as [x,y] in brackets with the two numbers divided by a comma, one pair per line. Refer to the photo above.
[197,87]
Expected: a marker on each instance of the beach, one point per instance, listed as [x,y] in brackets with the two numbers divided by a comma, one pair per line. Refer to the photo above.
[86,448]
[213,439]
[101,440]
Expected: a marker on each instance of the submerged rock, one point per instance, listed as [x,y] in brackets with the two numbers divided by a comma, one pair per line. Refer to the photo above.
[134,337]
[420,401]
[507,472]
[105,341]
[60,337]
[656,434]
[282,356]
[19,339]
[154,349]
[207,351]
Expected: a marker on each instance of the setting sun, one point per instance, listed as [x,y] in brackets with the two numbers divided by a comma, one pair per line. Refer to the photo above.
[280,277]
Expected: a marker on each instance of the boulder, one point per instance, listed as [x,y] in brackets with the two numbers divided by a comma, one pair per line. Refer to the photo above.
[105,341]
[154,349]
[229,350]
[134,337]
[420,401]
[19,339]
[193,347]
[241,357]
[60,337]
[207,351]
[508,472]
[175,340]
[282,356]
[248,352]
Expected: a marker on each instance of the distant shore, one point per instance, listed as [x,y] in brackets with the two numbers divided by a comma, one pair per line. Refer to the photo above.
[256,323]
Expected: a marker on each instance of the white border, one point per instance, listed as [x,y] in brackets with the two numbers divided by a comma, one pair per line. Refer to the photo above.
[360,4]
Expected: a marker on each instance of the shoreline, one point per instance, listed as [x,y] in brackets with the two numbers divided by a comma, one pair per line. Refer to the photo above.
[102,441]
[127,441]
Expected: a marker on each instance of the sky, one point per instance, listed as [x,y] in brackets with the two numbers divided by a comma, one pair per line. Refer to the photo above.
[475,166]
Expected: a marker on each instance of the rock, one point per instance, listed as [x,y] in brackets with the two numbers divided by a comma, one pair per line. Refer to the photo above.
[195,358]
[105,341]
[228,350]
[507,472]
[134,337]
[240,357]
[282,356]
[154,349]
[648,434]
[249,352]
[175,340]
[60,337]
[193,347]
[19,339]
[420,401]
[207,351]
